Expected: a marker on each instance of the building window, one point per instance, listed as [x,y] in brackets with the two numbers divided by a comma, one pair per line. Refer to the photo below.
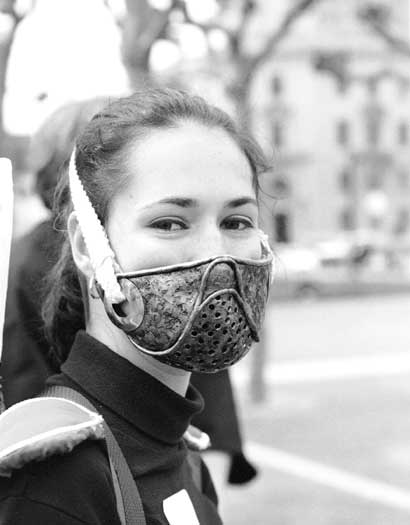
[403,87]
[373,119]
[347,219]
[342,85]
[374,179]
[402,222]
[403,133]
[277,134]
[372,85]
[373,135]
[403,179]
[346,180]
[277,86]
[281,227]
[342,133]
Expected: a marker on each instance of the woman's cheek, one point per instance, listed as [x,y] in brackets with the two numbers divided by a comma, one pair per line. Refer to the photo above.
[144,253]
[249,248]
[255,248]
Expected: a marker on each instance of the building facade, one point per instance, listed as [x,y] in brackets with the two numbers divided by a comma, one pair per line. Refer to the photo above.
[332,107]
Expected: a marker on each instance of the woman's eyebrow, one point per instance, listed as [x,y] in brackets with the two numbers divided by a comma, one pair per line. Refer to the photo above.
[185,202]
[177,201]
[241,201]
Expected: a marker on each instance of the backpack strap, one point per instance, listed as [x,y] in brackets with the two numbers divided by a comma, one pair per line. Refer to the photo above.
[195,463]
[196,442]
[129,504]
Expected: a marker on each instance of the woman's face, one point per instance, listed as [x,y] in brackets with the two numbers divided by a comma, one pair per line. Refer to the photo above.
[189,197]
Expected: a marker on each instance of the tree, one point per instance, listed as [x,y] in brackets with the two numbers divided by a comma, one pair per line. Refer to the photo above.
[377,18]
[142,27]
[336,63]
[244,64]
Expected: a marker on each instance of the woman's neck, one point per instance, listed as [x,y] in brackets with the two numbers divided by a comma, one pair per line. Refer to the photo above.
[174,378]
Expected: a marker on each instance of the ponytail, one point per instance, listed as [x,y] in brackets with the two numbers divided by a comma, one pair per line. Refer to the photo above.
[63,309]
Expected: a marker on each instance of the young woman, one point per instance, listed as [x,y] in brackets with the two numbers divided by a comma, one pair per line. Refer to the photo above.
[165,262]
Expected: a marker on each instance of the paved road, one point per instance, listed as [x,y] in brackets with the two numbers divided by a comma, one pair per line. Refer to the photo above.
[333,436]
[337,328]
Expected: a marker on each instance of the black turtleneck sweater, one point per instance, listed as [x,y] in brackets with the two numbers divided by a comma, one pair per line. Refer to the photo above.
[147,419]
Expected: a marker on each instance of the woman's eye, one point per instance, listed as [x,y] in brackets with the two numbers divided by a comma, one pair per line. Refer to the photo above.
[169,225]
[237,223]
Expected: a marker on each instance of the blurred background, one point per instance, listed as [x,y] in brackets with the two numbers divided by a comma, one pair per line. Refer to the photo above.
[324,85]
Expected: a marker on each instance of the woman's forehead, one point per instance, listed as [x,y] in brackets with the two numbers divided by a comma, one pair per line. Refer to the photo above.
[189,159]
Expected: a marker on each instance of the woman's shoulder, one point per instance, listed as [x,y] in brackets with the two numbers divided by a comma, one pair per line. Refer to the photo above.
[72,488]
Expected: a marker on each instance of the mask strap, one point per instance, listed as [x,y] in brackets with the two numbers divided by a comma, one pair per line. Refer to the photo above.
[265,241]
[266,246]
[101,255]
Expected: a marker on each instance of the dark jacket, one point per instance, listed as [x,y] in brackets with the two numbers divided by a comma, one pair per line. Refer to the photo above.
[219,418]
[147,419]
[25,364]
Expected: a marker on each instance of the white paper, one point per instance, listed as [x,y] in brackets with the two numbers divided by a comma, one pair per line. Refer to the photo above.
[6,226]
[179,510]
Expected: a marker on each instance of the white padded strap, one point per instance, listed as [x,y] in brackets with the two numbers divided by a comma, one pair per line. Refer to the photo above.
[265,243]
[99,249]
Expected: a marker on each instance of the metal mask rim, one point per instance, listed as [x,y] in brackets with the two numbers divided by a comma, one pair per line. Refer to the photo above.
[265,261]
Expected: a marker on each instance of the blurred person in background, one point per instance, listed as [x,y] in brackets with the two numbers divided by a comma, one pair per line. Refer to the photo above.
[26,361]
[221,421]
[136,356]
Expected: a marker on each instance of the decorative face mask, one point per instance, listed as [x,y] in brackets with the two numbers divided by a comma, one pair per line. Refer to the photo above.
[202,316]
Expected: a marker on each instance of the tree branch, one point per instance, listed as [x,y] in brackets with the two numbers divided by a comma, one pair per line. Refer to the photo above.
[8,7]
[143,26]
[247,9]
[376,18]
[290,18]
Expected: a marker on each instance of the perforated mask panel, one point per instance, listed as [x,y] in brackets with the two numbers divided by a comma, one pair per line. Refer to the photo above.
[218,338]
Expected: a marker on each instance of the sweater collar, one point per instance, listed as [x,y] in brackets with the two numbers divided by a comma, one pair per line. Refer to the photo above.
[130,392]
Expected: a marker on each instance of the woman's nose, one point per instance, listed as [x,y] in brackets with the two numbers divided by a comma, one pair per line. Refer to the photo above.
[209,243]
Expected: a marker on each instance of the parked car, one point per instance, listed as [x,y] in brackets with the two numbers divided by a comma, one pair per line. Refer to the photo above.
[296,268]
[341,266]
